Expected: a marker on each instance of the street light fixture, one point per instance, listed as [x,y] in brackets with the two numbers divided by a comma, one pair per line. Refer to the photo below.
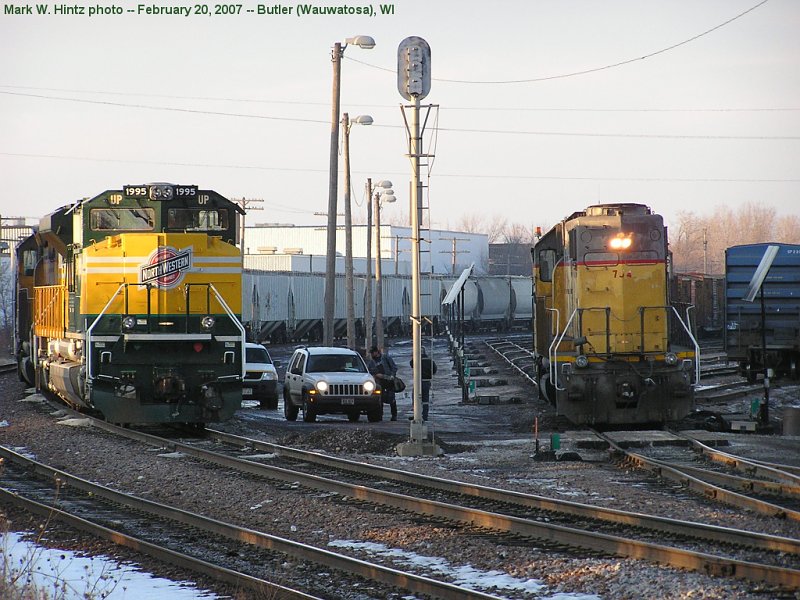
[348,228]
[366,42]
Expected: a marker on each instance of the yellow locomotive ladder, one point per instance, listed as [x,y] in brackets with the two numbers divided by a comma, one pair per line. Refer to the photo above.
[49,306]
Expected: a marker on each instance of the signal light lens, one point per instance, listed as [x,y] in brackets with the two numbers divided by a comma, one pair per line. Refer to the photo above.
[207,322]
[198,346]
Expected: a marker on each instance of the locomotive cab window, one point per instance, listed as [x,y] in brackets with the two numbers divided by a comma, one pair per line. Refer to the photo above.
[547,263]
[122,219]
[197,219]
[29,258]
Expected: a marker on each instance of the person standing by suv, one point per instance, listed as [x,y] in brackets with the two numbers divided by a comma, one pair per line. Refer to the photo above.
[383,368]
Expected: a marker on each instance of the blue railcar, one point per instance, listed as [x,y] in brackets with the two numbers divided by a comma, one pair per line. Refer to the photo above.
[743,327]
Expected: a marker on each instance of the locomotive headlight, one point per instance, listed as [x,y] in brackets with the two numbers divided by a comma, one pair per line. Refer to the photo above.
[369,387]
[621,241]
[582,361]
[322,386]
[671,359]
[128,322]
[207,322]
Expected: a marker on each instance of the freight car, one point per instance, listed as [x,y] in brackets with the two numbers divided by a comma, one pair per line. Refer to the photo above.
[280,307]
[603,321]
[781,324]
[129,303]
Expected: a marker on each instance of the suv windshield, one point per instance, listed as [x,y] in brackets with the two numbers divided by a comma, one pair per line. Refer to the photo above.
[257,355]
[335,363]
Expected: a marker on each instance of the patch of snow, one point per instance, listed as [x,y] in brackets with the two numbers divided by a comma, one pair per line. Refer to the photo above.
[463,575]
[75,577]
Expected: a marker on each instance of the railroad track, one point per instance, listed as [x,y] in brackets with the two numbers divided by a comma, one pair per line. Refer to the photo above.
[517,356]
[161,530]
[772,490]
[759,557]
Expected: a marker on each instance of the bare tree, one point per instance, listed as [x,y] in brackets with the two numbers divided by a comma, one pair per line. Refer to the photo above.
[787,229]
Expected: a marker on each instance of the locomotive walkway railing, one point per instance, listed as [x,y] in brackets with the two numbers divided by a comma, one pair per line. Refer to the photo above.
[49,310]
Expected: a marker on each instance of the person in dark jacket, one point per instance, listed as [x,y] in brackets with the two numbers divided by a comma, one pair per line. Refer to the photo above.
[383,369]
[428,371]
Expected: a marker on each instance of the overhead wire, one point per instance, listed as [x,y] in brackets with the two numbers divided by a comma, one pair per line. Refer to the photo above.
[583,71]
[448,129]
[393,106]
[471,175]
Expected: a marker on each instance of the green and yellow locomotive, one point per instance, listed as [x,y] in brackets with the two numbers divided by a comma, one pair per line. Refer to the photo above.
[129,303]
[610,348]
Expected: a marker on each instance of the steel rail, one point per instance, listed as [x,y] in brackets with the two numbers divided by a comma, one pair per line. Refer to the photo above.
[664,524]
[681,475]
[492,344]
[657,523]
[608,544]
[613,545]
[333,560]
[178,559]
[786,474]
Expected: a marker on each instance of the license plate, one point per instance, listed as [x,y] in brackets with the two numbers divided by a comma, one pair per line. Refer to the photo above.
[348,401]
[247,391]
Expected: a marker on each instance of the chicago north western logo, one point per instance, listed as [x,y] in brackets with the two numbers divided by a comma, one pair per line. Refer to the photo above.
[166,267]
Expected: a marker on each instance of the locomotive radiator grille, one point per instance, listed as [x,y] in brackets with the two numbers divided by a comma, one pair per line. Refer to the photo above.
[345,389]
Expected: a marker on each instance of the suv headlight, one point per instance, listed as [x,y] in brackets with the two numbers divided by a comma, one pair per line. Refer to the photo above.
[369,387]
[322,386]
[268,376]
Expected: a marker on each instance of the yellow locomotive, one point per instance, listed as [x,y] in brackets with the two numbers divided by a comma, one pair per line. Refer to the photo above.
[610,348]
[129,303]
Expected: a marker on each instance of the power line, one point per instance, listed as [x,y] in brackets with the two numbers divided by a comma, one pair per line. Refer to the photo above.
[394,106]
[584,71]
[448,129]
[462,175]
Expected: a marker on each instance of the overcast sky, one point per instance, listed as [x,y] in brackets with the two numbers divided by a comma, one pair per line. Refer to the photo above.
[241,104]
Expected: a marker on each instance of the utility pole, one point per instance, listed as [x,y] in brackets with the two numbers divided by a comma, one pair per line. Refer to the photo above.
[368,291]
[378,284]
[245,203]
[705,251]
[383,193]
[348,239]
[454,252]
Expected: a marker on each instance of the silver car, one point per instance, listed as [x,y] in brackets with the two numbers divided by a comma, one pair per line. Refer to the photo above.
[325,380]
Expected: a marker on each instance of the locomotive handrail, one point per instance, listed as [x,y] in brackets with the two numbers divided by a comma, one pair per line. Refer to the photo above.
[696,346]
[553,350]
[89,374]
[234,319]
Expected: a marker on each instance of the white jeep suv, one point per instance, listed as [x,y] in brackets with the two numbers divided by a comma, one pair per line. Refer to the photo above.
[322,380]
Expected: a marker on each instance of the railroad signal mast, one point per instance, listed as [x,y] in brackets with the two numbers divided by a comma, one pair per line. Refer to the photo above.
[414,84]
